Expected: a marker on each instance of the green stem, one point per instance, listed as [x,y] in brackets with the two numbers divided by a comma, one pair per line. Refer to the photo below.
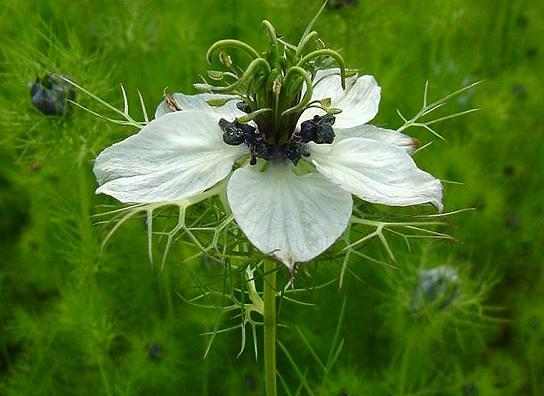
[270,327]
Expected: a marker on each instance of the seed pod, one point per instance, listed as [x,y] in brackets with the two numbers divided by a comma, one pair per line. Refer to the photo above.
[50,94]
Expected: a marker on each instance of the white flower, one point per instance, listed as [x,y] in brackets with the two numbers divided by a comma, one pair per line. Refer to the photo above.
[292,217]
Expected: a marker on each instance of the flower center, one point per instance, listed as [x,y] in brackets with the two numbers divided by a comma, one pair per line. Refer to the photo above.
[273,88]
[318,130]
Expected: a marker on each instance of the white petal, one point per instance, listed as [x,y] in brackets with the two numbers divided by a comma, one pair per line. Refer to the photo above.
[377,172]
[173,157]
[199,103]
[372,132]
[327,84]
[294,218]
[359,102]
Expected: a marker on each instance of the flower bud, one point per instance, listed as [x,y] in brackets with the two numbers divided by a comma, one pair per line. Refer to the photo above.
[339,4]
[154,352]
[437,287]
[50,94]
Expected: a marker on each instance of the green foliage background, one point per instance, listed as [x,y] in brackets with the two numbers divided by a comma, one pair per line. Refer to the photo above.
[74,321]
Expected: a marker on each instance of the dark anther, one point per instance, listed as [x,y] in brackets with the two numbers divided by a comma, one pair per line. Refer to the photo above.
[235,133]
[318,129]
[50,94]
[243,106]
[325,134]
[307,131]
[260,149]
[293,152]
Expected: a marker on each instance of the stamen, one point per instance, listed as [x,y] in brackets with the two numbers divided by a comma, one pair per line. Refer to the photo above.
[235,133]
[273,89]
[293,152]
[243,106]
[319,130]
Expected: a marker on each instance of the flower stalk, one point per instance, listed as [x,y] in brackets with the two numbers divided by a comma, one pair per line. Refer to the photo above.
[270,327]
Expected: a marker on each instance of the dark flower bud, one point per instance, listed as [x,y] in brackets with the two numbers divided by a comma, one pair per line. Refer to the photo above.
[154,352]
[50,94]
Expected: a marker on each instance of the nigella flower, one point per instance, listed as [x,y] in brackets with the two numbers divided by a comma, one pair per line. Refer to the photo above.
[292,142]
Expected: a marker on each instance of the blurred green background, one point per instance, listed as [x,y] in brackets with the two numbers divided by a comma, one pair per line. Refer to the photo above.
[74,321]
